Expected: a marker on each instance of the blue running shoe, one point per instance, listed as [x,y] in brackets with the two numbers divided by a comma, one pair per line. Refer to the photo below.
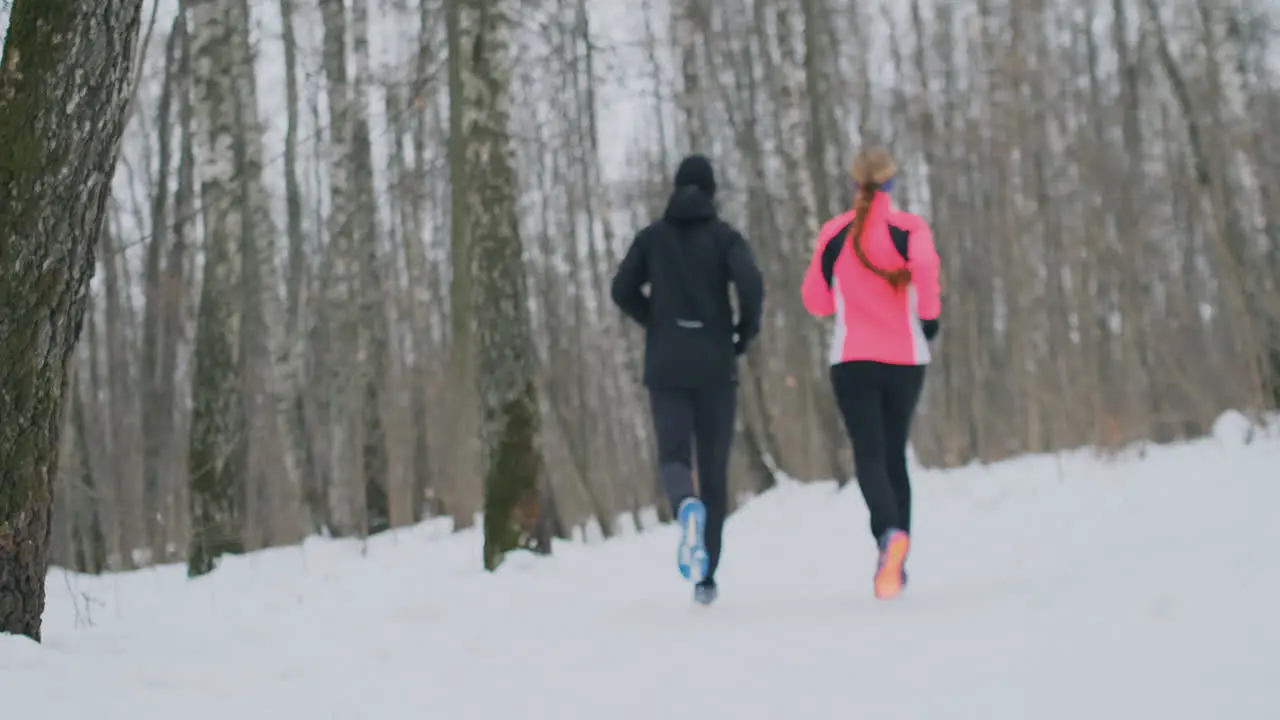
[692,556]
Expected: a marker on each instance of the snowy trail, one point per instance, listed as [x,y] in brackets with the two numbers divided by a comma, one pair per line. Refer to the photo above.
[1040,589]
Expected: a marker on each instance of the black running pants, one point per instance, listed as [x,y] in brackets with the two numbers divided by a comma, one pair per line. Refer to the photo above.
[878,401]
[685,420]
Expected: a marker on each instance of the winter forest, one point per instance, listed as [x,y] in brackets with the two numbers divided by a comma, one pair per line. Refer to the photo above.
[293,322]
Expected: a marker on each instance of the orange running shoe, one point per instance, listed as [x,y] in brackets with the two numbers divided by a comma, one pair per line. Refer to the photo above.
[893,554]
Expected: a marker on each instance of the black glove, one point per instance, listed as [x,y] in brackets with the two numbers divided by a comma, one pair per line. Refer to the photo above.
[740,342]
[930,328]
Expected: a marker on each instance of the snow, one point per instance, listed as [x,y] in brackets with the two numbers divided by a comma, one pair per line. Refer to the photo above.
[1046,587]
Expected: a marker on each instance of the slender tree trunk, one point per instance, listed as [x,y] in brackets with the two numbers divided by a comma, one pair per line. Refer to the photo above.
[126,445]
[218,454]
[462,440]
[294,416]
[157,388]
[87,536]
[341,350]
[376,366]
[177,305]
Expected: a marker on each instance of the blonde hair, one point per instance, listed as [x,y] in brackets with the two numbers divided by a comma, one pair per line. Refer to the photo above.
[870,169]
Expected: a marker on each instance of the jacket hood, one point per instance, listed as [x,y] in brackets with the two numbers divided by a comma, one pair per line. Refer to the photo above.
[690,203]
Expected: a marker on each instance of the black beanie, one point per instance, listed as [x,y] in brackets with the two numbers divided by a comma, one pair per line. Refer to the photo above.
[696,170]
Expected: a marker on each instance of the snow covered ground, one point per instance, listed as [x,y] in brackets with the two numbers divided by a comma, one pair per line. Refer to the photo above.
[1041,589]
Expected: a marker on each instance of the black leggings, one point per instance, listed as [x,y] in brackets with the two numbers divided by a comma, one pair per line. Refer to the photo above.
[697,424]
[878,401]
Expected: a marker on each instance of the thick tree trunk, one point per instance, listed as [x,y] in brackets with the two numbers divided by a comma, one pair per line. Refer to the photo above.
[53,124]
[506,365]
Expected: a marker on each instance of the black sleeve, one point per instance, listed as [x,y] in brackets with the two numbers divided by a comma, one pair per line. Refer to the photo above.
[831,253]
[633,273]
[749,284]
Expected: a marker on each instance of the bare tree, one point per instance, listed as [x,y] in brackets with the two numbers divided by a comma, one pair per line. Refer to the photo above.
[226,384]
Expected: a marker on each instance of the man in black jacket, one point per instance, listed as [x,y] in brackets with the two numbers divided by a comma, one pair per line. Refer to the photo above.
[688,258]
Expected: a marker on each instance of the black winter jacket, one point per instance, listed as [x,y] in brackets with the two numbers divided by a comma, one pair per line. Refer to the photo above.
[688,258]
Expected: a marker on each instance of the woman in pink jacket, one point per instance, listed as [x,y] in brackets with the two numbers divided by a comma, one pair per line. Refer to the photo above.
[876,269]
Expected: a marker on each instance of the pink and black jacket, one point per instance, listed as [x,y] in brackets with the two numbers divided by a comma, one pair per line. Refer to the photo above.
[873,320]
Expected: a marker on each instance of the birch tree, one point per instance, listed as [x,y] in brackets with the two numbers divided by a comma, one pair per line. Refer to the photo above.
[232,424]
[506,370]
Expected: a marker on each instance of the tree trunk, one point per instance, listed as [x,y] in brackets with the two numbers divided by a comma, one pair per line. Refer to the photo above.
[505,354]
[218,455]
[157,388]
[461,430]
[376,366]
[179,301]
[90,543]
[53,124]
[341,351]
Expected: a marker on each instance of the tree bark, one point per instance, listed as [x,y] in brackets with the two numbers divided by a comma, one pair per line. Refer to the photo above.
[506,371]
[218,457]
[64,125]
